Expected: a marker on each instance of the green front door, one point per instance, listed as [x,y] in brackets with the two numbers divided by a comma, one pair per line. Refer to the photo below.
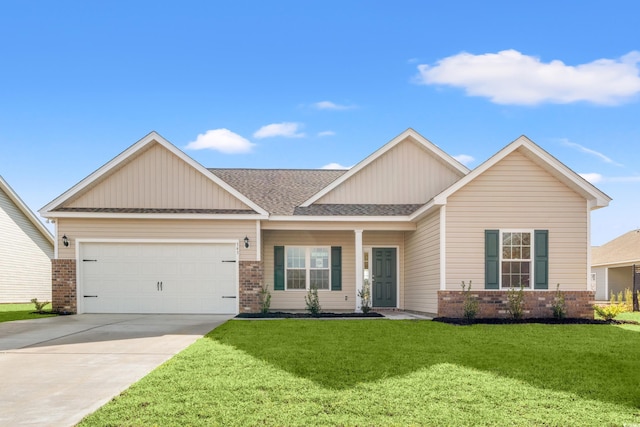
[384,272]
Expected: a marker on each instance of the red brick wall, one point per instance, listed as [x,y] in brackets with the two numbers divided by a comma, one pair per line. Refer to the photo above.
[537,304]
[250,285]
[63,282]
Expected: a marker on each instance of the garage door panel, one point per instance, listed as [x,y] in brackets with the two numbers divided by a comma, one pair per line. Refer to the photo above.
[159,278]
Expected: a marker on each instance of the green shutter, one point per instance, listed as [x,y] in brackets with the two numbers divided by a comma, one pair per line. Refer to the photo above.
[336,268]
[278,268]
[541,261]
[491,259]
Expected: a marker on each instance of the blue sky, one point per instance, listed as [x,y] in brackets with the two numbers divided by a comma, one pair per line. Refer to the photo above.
[306,84]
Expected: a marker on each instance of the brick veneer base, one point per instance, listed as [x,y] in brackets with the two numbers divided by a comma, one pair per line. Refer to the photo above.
[63,286]
[250,285]
[537,304]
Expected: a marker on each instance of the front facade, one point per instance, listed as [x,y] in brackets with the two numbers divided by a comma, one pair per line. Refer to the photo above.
[154,231]
[26,249]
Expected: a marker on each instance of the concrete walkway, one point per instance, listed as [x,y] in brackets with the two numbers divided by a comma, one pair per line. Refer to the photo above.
[55,371]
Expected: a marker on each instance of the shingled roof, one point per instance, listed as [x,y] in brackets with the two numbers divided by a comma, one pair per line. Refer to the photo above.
[278,191]
[622,249]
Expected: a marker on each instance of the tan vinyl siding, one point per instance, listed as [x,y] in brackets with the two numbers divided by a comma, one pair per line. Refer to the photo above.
[517,194]
[156,229]
[25,256]
[408,173]
[159,179]
[422,265]
[329,300]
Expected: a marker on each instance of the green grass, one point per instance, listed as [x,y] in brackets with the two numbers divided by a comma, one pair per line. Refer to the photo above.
[11,312]
[383,372]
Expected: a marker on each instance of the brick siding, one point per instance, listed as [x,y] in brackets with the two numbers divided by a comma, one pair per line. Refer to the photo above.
[537,304]
[250,285]
[63,283]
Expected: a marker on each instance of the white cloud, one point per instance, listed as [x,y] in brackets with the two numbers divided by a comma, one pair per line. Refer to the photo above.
[335,166]
[222,140]
[509,77]
[589,151]
[465,159]
[328,105]
[593,178]
[285,129]
[326,133]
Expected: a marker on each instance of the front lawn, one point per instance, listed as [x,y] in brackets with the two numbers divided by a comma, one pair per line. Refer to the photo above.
[10,312]
[384,372]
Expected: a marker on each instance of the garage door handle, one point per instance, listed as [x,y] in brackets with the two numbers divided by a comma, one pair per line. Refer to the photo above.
[229,296]
[231,260]
[90,296]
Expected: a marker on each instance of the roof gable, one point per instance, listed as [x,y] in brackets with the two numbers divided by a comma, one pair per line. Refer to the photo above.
[28,213]
[151,176]
[407,170]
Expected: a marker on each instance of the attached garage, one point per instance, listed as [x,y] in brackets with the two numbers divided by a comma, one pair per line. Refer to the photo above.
[158,277]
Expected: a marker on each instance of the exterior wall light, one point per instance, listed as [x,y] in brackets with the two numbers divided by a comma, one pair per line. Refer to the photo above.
[246,242]
[65,240]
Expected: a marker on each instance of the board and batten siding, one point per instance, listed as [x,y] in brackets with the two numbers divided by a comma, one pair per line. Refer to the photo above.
[406,174]
[516,193]
[25,256]
[156,178]
[105,228]
[329,300]
[422,265]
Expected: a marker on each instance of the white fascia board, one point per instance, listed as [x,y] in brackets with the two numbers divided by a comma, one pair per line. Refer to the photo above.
[90,215]
[388,146]
[6,188]
[150,138]
[423,211]
[627,263]
[309,218]
[567,176]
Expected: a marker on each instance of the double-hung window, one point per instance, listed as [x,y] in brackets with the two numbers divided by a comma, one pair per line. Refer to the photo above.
[308,267]
[516,259]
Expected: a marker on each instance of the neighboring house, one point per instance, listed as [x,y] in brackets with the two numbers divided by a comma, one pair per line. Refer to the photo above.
[154,231]
[612,264]
[26,250]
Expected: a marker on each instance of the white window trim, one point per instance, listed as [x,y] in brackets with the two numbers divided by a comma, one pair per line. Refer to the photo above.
[307,263]
[531,258]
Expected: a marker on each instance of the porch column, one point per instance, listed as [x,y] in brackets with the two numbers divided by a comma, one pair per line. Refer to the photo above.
[359,278]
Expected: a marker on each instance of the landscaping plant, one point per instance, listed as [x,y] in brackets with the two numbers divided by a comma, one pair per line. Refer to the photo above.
[313,301]
[559,308]
[365,296]
[515,302]
[39,305]
[611,311]
[470,305]
[265,299]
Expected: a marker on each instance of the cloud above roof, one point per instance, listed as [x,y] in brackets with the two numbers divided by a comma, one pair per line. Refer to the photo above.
[510,77]
[328,105]
[586,150]
[335,166]
[222,140]
[465,159]
[284,129]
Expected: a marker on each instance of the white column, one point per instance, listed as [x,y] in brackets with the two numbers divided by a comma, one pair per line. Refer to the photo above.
[359,264]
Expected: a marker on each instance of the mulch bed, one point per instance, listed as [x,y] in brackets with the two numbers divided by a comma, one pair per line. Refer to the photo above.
[284,315]
[548,321]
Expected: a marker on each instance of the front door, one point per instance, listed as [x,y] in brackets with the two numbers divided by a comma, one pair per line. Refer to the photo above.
[384,277]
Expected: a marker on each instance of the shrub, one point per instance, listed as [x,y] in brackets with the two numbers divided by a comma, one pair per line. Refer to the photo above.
[609,312]
[470,305]
[265,299]
[628,299]
[39,305]
[312,301]
[515,302]
[558,306]
[365,296]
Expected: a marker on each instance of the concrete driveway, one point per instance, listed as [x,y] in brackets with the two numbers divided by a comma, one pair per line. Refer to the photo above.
[55,371]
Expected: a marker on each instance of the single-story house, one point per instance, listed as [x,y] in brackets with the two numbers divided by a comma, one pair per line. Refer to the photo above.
[614,264]
[26,250]
[154,231]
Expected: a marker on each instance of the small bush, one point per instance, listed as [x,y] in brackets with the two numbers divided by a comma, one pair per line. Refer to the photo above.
[39,305]
[365,297]
[470,305]
[515,303]
[609,312]
[265,299]
[559,307]
[313,301]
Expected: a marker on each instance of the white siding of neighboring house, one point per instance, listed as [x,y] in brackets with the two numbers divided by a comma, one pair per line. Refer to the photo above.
[25,256]
[516,193]
[422,265]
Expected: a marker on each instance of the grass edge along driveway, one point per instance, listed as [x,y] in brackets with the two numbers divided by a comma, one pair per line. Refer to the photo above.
[11,312]
[383,372]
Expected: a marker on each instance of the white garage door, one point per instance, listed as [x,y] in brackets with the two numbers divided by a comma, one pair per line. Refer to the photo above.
[158,278]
